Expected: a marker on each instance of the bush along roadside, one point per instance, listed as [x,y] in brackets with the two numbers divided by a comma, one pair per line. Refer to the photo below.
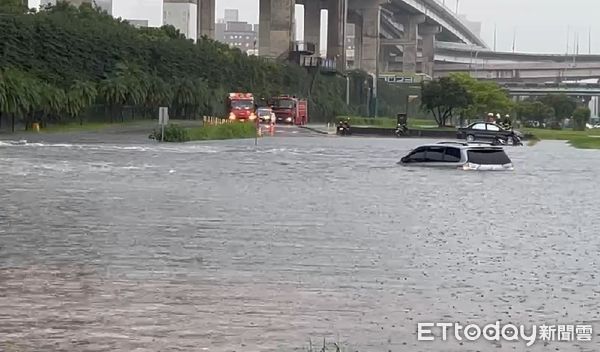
[173,133]
[225,131]
[178,134]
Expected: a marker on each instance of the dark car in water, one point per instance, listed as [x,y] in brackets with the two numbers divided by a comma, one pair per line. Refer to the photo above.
[485,131]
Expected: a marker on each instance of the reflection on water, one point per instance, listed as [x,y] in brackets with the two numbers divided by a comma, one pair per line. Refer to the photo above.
[225,247]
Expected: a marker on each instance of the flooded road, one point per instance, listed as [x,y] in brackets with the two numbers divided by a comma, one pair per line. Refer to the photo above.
[226,247]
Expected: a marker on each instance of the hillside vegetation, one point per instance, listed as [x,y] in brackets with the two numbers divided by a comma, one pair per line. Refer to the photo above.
[63,63]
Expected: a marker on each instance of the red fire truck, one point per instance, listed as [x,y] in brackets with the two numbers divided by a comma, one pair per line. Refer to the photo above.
[241,107]
[290,109]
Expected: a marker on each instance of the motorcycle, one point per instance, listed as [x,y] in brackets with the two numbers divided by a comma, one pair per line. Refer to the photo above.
[513,140]
[516,141]
[343,129]
[401,130]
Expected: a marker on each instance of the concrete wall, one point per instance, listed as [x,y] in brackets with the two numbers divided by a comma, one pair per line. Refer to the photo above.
[183,16]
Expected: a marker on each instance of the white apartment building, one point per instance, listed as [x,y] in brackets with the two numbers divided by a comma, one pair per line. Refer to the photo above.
[183,15]
[142,13]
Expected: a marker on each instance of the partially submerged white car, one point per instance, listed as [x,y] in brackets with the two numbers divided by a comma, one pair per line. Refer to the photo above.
[465,156]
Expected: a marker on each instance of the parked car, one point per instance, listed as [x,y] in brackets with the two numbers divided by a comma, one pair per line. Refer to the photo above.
[465,156]
[488,132]
[265,114]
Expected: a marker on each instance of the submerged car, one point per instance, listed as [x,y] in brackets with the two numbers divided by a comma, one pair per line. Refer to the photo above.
[465,156]
[489,132]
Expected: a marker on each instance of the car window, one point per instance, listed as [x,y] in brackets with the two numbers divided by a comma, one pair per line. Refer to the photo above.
[452,155]
[435,154]
[493,128]
[488,157]
[418,155]
[478,126]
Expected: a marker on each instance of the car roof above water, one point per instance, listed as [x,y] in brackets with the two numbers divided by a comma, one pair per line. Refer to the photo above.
[462,145]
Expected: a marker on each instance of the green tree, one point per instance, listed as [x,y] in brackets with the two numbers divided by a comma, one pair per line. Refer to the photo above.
[444,96]
[53,103]
[534,110]
[563,105]
[114,91]
[581,117]
[21,96]
[185,97]
[159,93]
[80,96]
[488,97]
[13,6]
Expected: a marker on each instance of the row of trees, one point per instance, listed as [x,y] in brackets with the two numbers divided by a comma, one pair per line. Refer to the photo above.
[58,62]
[30,99]
[550,110]
[464,96]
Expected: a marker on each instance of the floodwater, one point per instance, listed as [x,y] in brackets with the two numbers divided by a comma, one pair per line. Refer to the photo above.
[226,247]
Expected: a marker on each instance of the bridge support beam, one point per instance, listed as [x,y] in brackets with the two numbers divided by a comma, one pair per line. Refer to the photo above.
[264,28]
[411,35]
[370,49]
[336,31]
[358,42]
[366,16]
[276,27]
[428,33]
[205,20]
[312,23]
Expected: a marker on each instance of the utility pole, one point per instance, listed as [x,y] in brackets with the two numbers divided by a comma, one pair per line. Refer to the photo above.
[590,41]
[495,35]
[457,3]
[514,40]
[568,38]
[575,46]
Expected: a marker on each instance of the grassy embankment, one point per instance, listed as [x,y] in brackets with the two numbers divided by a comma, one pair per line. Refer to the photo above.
[177,131]
[589,139]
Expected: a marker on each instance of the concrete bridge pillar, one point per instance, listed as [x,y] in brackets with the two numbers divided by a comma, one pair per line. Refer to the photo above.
[411,36]
[336,31]
[358,42]
[206,19]
[370,49]
[366,16]
[264,28]
[276,27]
[428,33]
[312,23]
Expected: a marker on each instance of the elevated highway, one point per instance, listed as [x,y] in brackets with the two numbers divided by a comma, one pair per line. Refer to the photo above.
[542,89]
[483,63]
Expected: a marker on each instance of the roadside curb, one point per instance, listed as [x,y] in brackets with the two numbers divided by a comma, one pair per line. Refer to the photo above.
[316,130]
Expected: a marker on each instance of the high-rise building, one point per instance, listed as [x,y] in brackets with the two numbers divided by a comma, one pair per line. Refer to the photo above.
[232,15]
[182,14]
[237,34]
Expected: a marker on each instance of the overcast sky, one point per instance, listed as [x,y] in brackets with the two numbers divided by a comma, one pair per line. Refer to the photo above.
[540,25]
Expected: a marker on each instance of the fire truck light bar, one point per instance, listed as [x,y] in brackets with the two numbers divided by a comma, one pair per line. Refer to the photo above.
[241,95]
